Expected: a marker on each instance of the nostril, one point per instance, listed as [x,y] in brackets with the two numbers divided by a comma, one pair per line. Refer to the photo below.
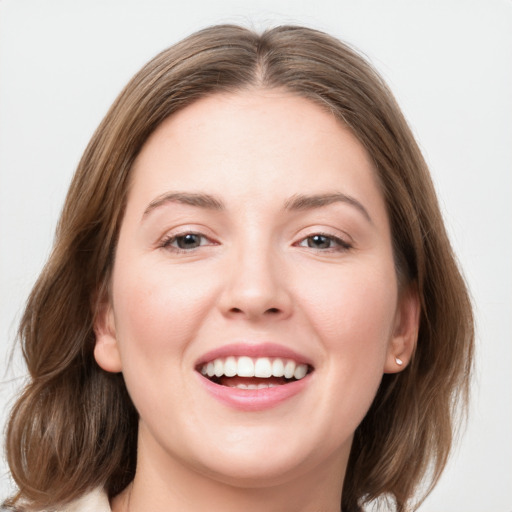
[253,312]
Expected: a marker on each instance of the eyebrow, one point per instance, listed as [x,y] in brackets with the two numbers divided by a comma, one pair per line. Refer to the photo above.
[297,202]
[308,202]
[192,199]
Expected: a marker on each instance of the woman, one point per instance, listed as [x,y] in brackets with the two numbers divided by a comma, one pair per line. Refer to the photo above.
[252,301]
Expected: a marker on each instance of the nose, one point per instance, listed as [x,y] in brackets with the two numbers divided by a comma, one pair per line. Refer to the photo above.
[256,287]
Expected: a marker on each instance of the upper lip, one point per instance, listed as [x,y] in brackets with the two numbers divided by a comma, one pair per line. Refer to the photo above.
[254,350]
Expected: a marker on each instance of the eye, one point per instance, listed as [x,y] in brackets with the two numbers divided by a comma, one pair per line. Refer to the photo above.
[324,242]
[185,241]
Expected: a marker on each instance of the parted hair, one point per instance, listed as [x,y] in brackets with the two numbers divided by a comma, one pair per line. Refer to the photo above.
[74,426]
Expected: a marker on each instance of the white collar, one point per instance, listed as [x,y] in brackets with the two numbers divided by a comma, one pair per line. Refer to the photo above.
[94,501]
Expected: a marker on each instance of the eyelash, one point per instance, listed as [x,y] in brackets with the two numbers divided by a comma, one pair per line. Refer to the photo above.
[169,240]
[340,245]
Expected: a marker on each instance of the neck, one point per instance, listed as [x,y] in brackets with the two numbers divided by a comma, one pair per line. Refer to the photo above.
[180,488]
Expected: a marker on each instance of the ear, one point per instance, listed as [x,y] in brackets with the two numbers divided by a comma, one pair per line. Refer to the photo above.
[405,334]
[106,349]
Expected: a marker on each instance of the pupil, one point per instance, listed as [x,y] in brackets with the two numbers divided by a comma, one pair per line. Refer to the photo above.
[319,242]
[188,241]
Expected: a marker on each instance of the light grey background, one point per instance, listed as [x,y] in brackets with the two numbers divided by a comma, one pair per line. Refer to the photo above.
[450,65]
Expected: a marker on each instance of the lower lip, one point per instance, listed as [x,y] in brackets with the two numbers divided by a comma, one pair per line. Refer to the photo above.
[254,399]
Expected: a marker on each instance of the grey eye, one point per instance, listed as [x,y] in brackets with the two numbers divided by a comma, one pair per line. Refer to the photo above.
[319,242]
[188,241]
[323,242]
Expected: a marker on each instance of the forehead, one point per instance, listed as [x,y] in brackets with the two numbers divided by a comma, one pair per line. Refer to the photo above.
[258,143]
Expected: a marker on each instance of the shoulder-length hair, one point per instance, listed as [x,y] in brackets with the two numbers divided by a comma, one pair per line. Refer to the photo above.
[75,427]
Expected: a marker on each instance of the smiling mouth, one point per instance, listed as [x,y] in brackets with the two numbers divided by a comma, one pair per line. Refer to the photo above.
[253,373]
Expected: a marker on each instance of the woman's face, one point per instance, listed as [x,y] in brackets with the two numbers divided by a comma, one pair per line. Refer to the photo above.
[255,239]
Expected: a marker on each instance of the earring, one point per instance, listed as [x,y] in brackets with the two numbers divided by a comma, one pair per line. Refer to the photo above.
[399,362]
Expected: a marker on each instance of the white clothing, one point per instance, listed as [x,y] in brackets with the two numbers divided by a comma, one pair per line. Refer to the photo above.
[94,501]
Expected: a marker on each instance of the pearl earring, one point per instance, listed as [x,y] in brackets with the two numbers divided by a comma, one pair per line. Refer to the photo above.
[399,362]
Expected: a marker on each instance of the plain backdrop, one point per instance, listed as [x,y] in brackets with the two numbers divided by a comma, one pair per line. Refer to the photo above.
[448,62]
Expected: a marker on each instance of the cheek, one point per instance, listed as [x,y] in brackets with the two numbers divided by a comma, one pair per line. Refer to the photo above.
[354,313]
[157,312]
[350,311]
[157,315]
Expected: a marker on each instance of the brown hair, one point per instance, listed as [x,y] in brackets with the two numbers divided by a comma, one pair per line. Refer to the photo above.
[74,427]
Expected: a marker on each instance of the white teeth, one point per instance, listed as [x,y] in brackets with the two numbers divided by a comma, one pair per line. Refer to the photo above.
[245,367]
[300,371]
[219,368]
[255,386]
[261,367]
[289,369]
[278,368]
[230,367]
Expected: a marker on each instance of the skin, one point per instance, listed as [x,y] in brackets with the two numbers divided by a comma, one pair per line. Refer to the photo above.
[257,276]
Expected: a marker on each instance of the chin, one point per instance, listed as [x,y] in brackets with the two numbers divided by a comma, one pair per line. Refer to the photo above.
[264,461]
[254,474]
